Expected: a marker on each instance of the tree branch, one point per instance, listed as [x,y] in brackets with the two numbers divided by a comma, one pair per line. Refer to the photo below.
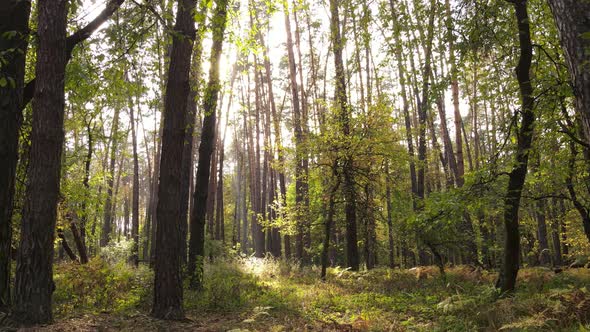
[75,39]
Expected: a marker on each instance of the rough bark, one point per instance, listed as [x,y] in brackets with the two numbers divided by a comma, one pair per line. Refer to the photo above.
[573,22]
[34,269]
[168,292]
[14,16]
[188,147]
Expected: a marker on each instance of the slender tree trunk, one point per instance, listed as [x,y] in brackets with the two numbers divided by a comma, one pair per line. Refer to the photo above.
[65,246]
[108,205]
[154,194]
[78,240]
[86,184]
[582,210]
[135,194]
[352,255]
[197,223]
[510,265]
[34,270]
[391,253]
[423,107]
[330,218]
[14,16]
[300,188]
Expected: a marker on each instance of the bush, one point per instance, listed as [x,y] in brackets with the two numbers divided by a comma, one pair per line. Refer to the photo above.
[100,287]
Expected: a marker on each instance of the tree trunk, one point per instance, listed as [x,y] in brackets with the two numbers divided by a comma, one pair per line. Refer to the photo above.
[582,210]
[34,270]
[197,223]
[300,192]
[14,16]
[510,265]
[135,194]
[189,141]
[108,205]
[79,241]
[573,22]
[65,246]
[168,294]
[352,255]
[330,218]
[391,253]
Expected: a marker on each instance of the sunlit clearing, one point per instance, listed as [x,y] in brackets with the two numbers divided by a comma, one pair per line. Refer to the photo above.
[255,265]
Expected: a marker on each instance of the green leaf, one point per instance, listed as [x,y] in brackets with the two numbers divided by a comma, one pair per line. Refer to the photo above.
[3,82]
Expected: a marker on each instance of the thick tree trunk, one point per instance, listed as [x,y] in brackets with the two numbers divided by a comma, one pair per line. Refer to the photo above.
[34,270]
[14,16]
[168,294]
[189,141]
[510,264]
[197,223]
[573,22]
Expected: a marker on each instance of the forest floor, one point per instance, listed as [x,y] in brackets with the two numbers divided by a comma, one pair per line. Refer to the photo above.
[264,295]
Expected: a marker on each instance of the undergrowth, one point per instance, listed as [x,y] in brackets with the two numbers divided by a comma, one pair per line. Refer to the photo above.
[265,294]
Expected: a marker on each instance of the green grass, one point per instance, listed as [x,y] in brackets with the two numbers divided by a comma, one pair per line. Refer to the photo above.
[269,295]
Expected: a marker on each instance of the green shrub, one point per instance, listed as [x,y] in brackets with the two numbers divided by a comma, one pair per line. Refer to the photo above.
[100,287]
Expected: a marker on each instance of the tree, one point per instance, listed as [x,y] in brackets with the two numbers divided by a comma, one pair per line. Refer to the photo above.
[573,22]
[343,110]
[197,222]
[34,271]
[14,16]
[168,295]
[510,264]
[302,243]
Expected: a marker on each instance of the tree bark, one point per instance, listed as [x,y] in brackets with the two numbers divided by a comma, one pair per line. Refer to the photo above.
[510,264]
[168,292]
[573,23]
[14,16]
[197,223]
[329,219]
[34,270]
[300,220]
[135,194]
[189,141]
[352,255]
[108,205]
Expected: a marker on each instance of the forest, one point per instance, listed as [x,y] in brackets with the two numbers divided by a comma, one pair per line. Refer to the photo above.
[294,165]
